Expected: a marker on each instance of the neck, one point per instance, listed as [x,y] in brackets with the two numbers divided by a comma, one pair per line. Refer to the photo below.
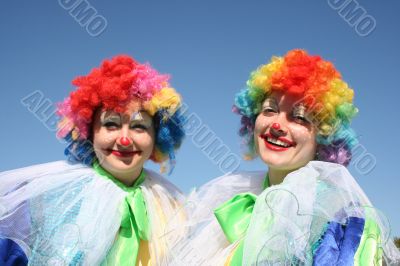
[122,179]
[276,176]
[128,178]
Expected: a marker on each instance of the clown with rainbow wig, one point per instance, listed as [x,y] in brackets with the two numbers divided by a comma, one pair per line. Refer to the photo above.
[306,209]
[100,207]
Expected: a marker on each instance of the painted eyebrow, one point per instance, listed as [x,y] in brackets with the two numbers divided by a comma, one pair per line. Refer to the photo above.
[144,122]
[300,109]
[107,116]
[142,119]
[134,115]
[149,122]
[270,101]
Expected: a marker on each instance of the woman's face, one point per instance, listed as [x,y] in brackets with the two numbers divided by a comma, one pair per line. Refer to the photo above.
[123,141]
[284,136]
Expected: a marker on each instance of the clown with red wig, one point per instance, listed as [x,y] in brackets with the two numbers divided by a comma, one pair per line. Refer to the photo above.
[101,206]
[306,209]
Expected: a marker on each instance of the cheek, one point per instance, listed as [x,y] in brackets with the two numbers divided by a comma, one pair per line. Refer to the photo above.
[301,134]
[304,136]
[145,141]
[103,138]
[261,124]
[260,127]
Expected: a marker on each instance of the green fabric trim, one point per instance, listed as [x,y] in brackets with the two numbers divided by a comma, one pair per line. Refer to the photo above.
[135,223]
[103,173]
[234,218]
[266,182]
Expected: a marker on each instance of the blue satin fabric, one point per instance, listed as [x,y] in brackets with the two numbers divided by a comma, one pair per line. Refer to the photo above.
[339,243]
[11,254]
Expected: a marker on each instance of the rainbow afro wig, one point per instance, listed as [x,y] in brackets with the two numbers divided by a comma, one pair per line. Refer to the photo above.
[327,98]
[113,86]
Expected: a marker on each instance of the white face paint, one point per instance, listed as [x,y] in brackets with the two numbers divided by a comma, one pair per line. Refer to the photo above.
[109,128]
[284,136]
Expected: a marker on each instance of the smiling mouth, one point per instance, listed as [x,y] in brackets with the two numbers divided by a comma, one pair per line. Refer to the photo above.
[120,153]
[277,143]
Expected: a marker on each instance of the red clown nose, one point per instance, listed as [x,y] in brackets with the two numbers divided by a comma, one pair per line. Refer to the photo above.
[125,141]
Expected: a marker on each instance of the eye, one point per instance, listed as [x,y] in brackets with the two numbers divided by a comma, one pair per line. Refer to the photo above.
[110,120]
[301,119]
[139,127]
[268,109]
[270,106]
[111,125]
[299,115]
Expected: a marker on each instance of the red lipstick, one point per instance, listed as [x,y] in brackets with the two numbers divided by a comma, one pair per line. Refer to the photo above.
[124,153]
[275,147]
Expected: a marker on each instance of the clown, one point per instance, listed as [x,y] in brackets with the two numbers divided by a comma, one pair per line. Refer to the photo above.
[101,206]
[306,209]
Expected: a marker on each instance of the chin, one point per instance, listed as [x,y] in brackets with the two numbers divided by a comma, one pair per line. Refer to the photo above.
[280,163]
[284,166]
[126,167]
[114,165]
[272,159]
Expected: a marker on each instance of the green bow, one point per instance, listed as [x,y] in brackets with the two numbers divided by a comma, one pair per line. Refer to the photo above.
[134,222]
[234,217]
[369,251]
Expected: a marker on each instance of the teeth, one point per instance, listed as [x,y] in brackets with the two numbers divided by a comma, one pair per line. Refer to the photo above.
[278,142]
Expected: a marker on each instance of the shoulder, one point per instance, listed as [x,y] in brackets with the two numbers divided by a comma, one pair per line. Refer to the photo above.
[222,188]
[332,174]
[248,181]
[46,168]
[58,172]
[327,168]
[156,181]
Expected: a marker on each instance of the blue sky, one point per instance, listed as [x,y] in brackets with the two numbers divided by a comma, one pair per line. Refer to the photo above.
[209,48]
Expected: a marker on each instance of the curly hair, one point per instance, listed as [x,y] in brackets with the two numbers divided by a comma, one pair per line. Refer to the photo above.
[318,84]
[111,87]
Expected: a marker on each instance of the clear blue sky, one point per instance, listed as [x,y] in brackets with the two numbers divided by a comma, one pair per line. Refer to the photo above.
[209,48]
